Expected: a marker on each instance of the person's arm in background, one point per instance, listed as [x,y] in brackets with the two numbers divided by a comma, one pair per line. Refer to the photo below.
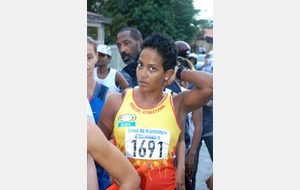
[193,154]
[111,159]
[121,81]
[209,182]
[206,59]
[92,180]
[127,78]
[180,161]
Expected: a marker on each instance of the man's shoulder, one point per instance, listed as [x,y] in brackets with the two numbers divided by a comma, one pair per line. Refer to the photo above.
[125,73]
[127,77]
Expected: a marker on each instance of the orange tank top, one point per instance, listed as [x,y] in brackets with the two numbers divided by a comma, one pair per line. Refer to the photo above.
[149,136]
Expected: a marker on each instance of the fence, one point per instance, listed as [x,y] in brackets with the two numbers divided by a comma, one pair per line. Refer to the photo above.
[116,61]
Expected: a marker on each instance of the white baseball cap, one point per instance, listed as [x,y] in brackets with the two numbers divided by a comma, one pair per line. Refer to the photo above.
[104,49]
[193,55]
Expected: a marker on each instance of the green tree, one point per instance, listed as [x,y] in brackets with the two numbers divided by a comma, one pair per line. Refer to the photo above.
[173,17]
[94,5]
[186,24]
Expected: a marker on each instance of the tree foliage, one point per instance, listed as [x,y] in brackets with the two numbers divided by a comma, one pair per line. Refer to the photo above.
[173,17]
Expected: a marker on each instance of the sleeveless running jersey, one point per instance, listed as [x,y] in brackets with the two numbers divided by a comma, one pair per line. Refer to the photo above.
[97,100]
[109,81]
[89,112]
[149,136]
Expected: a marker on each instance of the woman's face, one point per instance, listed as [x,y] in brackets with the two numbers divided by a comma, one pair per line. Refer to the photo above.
[149,71]
[92,58]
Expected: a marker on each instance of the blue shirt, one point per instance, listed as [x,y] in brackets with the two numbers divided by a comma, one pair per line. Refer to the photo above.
[97,102]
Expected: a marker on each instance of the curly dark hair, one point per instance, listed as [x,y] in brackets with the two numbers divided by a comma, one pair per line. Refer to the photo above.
[165,47]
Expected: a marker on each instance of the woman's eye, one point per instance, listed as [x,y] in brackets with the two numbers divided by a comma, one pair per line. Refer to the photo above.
[152,69]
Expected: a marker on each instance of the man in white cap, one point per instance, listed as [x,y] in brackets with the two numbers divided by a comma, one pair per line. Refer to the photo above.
[108,76]
[193,58]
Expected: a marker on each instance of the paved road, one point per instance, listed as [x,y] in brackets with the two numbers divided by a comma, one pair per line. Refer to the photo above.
[205,168]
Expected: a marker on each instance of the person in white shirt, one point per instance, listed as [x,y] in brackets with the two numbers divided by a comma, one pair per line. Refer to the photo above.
[103,74]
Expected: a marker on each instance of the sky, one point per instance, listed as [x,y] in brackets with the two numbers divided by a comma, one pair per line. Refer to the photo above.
[206,7]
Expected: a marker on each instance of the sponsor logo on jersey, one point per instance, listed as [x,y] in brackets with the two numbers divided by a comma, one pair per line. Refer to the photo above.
[127,120]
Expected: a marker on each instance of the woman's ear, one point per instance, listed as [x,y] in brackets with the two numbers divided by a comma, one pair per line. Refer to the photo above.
[170,76]
[169,73]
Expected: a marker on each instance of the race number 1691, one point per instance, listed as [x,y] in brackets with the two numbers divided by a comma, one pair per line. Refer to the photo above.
[144,148]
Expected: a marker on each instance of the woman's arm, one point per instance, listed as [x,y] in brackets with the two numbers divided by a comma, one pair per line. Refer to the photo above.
[180,161]
[109,110]
[199,95]
[111,159]
[195,98]
[109,92]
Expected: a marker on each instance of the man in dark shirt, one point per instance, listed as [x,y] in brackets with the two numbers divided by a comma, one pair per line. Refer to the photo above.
[129,41]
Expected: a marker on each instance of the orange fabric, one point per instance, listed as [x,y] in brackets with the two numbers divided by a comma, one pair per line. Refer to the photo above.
[149,136]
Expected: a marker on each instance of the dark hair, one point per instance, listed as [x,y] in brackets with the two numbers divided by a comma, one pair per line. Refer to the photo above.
[134,33]
[92,41]
[165,47]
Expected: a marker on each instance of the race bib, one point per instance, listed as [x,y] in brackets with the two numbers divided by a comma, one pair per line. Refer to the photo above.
[147,143]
